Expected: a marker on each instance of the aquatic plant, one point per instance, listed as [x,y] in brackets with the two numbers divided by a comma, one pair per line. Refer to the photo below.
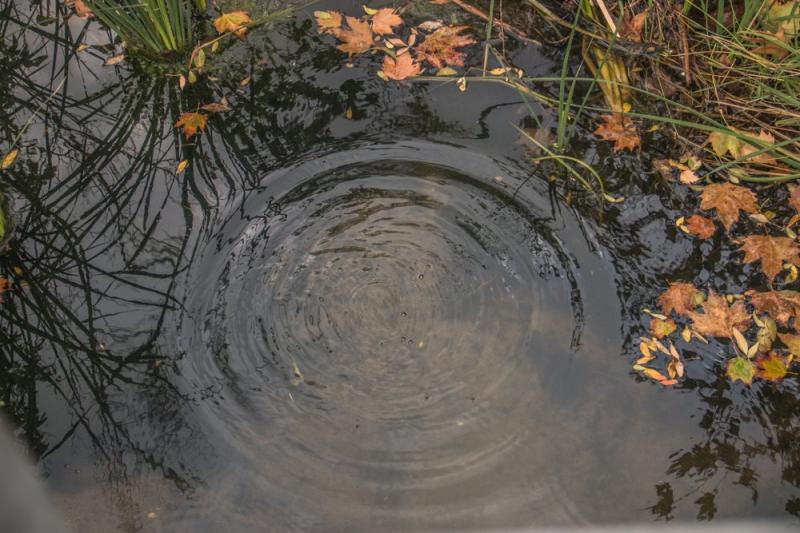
[159,28]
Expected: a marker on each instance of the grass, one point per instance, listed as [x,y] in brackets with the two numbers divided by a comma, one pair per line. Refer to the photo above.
[159,28]
[725,67]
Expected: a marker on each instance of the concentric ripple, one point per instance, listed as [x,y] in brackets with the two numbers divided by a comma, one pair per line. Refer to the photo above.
[370,336]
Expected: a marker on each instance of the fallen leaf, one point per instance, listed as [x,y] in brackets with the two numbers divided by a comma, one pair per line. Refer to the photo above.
[114,60]
[327,21]
[794,198]
[775,45]
[401,68]
[181,166]
[192,124]
[217,107]
[654,374]
[620,129]
[771,251]
[235,22]
[679,297]
[384,21]
[700,226]
[719,319]
[440,47]
[728,200]
[767,333]
[780,305]
[9,159]
[631,27]
[784,16]
[741,369]
[688,177]
[356,39]
[738,147]
[81,9]
[772,367]
[662,328]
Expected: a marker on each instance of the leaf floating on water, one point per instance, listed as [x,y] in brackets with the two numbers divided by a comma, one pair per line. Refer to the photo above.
[192,124]
[723,143]
[114,60]
[792,342]
[327,21]
[181,166]
[662,328]
[780,305]
[700,226]
[741,342]
[679,297]
[718,319]
[441,47]
[728,200]
[356,39]
[654,374]
[384,20]
[771,251]
[772,367]
[9,159]
[620,129]
[217,107]
[446,71]
[401,68]
[234,22]
[741,369]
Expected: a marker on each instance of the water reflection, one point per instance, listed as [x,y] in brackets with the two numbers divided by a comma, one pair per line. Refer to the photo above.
[230,344]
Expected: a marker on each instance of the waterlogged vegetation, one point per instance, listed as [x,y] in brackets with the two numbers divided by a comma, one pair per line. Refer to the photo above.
[322,264]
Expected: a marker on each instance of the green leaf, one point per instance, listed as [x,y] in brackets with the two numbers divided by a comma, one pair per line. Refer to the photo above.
[741,369]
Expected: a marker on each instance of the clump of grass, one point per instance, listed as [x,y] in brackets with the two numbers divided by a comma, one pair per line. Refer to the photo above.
[158,28]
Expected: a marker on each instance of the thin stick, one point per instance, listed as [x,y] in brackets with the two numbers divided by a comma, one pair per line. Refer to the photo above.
[607,16]
[508,28]
[488,36]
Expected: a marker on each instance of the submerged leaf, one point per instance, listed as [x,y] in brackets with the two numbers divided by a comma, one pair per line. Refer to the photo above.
[728,200]
[741,369]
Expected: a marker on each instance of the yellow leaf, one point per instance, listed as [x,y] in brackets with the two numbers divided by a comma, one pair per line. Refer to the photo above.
[181,166]
[9,158]
[235,22]
[446,71]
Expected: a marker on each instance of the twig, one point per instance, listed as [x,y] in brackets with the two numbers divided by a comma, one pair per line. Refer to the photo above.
[606,15]
[508,28]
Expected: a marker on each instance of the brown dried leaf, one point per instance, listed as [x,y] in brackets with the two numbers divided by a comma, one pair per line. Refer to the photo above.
[620,129]
[327,21]
[719,319]
[401,68]
[384,20]
[356,39]
[728,200]
[631,27]
[235,22]
[439,48]
[700,226]
[771,251]
[780,305]
[679,297]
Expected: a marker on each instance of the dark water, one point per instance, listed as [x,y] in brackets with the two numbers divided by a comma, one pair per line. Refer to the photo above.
[388,321]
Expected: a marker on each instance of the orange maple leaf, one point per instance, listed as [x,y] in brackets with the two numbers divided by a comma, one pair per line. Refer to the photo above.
[728,200]
[772,251]
[700,226]
[192,124]
[235,22]
[662,328]
[718,319]
[384,20]
[81,9]
[679,297]
[620,129]
[780,305]
[401,68]
[328,21]
[356,39]
[439,48]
